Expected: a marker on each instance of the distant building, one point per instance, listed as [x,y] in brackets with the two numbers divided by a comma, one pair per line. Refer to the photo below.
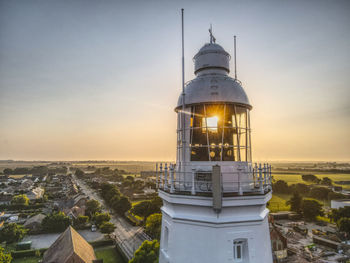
[35,193]
[34,223]
[70,247]
[278,243]
[74,212]
[340,203]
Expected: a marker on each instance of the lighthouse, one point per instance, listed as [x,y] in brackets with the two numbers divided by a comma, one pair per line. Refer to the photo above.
[214,197]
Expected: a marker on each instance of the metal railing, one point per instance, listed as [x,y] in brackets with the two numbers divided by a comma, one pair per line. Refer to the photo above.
[253,179]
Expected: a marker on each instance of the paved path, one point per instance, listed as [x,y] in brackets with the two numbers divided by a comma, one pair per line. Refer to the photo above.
[46,240]
[128,237]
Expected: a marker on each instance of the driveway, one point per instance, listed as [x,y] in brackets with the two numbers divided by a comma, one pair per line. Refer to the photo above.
[46,240]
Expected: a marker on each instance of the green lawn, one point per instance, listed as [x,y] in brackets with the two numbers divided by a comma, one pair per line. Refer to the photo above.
[296,178]
[278,203]
[26,260]
[109,255]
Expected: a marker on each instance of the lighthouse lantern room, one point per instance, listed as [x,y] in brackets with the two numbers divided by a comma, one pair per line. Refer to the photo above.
[214,198]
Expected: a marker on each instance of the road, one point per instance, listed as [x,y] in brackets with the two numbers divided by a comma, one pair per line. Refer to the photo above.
[127,236]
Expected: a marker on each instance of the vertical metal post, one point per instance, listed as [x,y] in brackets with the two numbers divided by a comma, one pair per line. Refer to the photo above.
[161,176]
[166,177]
[172,188]
[157,185]
[265,174]
[193,190]
[234,38]
[183,141]
[255,174]
[260,179]
[240,190]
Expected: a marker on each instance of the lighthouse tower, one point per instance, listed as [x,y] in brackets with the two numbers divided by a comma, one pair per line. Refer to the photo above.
[214,198]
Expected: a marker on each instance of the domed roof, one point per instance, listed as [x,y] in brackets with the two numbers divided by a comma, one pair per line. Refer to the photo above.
[212,83]
[214,88]
[211,55]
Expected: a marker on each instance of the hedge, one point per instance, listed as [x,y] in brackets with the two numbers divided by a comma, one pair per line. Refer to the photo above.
[102,243]
[27,253]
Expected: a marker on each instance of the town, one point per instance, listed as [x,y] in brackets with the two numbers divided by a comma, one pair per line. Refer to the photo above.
[115,209]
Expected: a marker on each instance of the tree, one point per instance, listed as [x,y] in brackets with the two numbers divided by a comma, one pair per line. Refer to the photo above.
[337,214]
[20,200]
[310,178]
[101,218]
[148,207]
[7,171]
[79,173]
[92,207]
[344,225]
[122,205]
[107,227]
[295,202]
[326,181]
[311,209]
[320,193]
[281,187]
[303,189]
[12,233]
[81,221]
[55,222]
[148,252]
[153,225]
[5,257]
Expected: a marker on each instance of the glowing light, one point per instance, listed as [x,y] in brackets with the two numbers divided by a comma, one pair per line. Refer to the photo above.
[212,124]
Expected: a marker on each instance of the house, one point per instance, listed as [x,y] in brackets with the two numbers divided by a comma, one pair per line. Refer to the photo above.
[70,247]
[278,244]
[74,212]
[5,199]
[36,193]
[34,223]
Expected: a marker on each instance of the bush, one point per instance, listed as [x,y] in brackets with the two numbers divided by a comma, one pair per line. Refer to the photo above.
[100,218]
[55,222]
[12,233]
[107,227]
[153,225]
[148,252]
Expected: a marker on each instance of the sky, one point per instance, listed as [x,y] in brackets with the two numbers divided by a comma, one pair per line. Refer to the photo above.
[99,80]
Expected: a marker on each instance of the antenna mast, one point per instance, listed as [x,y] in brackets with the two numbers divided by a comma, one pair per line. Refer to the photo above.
[234,45]
[183,92]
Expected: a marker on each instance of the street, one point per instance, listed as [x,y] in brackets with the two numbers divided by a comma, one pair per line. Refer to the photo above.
[127,236]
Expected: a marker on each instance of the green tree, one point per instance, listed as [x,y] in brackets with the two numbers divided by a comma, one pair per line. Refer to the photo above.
[122,205]
[20,200]
[311,209]
[55,222]
[337,214]
[148,252]
[5,257]
[310,178]
[12,233]
[107,227]
[320,193]
[79,173]
[7,171]
[80,221]
[101,218]
[295,202]
[153,225]
[92,207]
[148,207]
[344,225]
[326,181]
[280,187]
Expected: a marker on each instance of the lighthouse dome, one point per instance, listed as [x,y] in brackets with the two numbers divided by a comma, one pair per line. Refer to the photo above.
[212,83]
[211,56]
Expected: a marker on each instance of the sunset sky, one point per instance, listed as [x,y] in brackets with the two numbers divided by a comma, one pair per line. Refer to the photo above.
[99,80]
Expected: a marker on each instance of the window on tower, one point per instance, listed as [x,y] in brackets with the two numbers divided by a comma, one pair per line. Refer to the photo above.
[240,250]
[220,132]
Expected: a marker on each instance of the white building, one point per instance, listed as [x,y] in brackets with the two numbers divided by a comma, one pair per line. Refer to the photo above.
[340,203]
[214,199]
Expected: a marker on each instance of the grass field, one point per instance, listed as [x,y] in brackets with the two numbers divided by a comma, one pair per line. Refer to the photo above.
[296,178]
[26,260]
[109,255]
[278,203]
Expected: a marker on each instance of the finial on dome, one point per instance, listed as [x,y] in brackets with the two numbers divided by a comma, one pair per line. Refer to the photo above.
[212,38]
